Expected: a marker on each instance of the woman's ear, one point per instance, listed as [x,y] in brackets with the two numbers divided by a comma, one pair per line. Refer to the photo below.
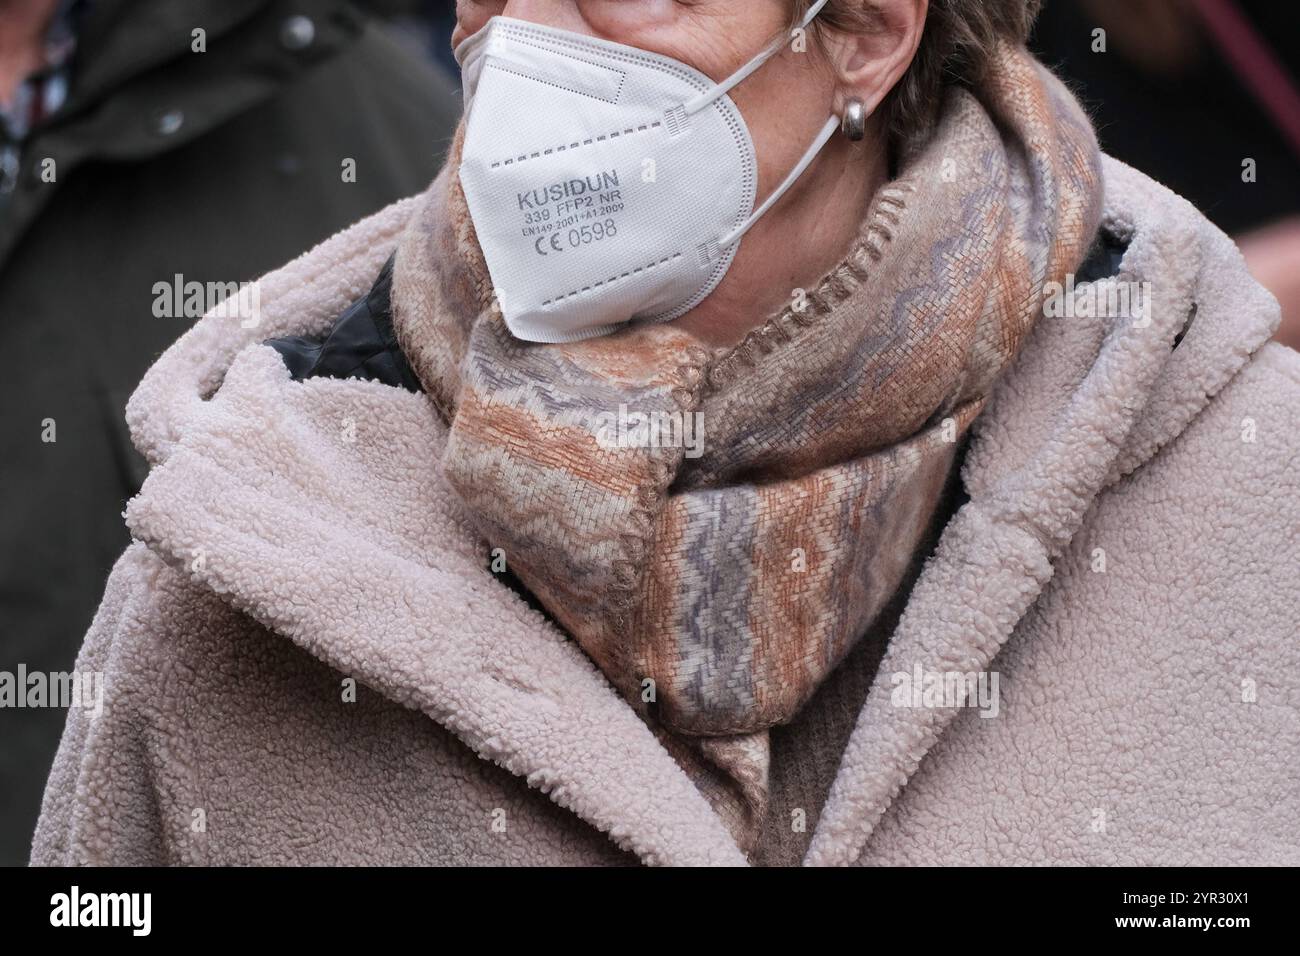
[868,63]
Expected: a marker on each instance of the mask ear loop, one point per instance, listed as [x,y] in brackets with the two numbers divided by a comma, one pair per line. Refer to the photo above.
[822,139]
[710,251]
[694,105]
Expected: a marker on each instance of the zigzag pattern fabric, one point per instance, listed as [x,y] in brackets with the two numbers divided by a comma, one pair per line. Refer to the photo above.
[716,584]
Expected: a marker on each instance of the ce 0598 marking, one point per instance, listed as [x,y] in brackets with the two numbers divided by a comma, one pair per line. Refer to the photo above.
[576,237]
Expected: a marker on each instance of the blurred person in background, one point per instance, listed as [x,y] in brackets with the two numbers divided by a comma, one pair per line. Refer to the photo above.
[1203,96]
[423,25]
[146,142]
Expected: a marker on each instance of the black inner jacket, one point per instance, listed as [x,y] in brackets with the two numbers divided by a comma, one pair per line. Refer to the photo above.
[363,345]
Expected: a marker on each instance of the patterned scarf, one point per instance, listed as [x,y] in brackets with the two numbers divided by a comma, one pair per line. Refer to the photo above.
[717,584]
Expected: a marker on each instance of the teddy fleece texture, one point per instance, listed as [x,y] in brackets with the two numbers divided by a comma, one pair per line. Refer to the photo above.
[1125,565]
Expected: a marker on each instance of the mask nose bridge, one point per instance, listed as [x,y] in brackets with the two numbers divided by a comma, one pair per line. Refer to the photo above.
[599,81]
[596,77]
[677,118]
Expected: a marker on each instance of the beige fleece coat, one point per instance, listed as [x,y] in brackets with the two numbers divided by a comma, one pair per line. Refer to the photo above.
[308,660]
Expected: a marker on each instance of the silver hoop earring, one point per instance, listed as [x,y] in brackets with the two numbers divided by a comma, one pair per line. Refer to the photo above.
[854,124]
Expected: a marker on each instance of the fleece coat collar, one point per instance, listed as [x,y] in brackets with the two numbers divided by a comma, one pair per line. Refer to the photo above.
[260,485]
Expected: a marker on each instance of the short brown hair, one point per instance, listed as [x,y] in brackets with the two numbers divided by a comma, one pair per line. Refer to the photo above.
[956,46]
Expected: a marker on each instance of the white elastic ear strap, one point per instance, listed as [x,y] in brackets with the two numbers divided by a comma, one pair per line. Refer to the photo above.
[823,137]
[711,250]
[721,89]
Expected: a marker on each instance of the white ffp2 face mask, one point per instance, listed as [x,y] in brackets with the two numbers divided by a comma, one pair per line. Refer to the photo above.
[606,184]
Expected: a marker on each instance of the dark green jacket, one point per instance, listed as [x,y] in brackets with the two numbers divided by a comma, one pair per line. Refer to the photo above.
[216,166]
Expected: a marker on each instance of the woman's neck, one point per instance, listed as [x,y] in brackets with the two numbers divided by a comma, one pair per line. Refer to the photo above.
[801,238]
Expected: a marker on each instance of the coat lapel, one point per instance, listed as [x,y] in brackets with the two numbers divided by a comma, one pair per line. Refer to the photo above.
[318,508]
[1106,394]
